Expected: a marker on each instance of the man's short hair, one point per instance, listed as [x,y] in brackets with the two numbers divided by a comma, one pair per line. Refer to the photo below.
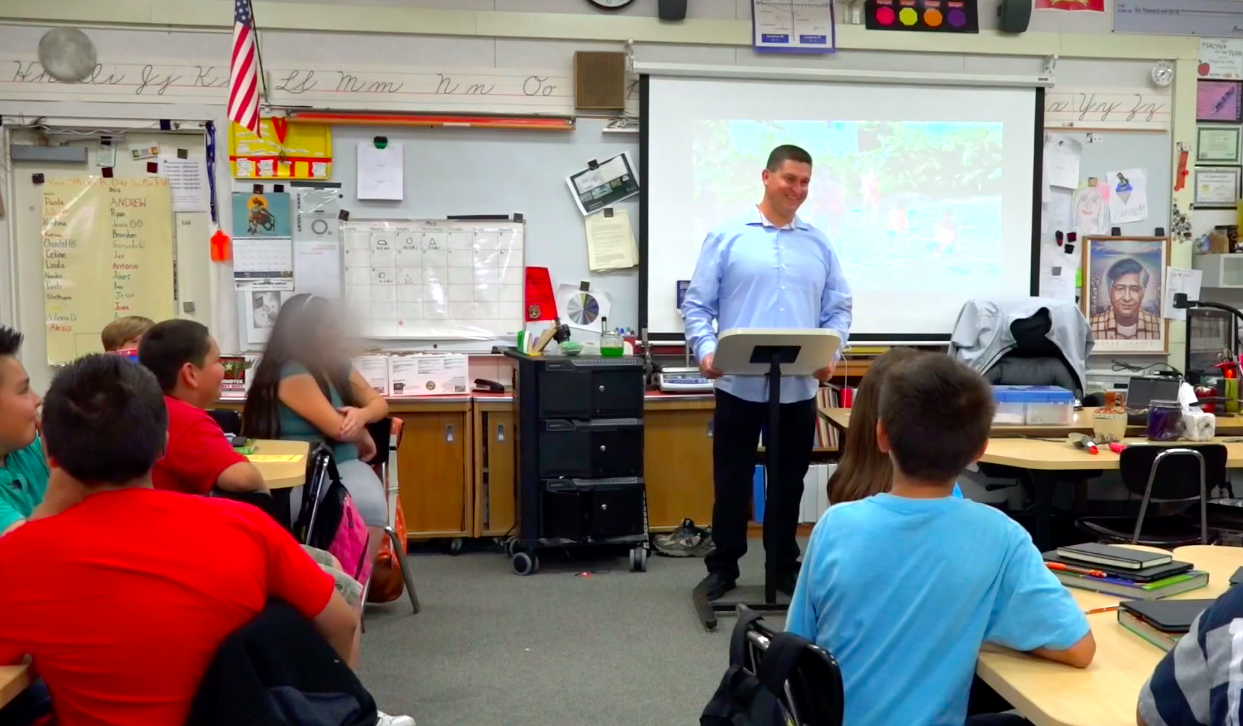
[122,330]
[1126,266]
[787,152]
[937,413]
[104,420]
[170,345]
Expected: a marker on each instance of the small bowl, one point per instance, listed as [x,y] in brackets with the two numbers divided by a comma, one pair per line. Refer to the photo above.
[571,348]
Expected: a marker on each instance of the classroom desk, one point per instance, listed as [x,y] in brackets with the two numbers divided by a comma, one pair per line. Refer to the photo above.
[1107,691]
[1229,425]
[281,474]
[13,680]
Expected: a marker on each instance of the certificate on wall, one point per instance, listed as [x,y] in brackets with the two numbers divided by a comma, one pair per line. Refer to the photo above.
[1217,144]
[1216,187]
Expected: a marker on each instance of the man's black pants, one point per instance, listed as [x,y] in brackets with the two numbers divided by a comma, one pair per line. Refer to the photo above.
[737,424]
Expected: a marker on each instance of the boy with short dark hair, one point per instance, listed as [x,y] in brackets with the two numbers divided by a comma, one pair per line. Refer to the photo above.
[904,587]
[124,333]
[186,362]
[23,472]
[120,611]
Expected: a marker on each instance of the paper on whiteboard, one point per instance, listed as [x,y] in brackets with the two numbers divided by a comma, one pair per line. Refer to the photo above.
[1061,161]
[583,309]
[258,310]
[317,268]
[1128,196]
[1089,212]
[263,263]
[187,183]
[380,172]
[610,241]
[1180,280]
[316,213]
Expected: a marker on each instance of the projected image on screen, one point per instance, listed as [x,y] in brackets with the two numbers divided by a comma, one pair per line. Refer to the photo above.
[918,199]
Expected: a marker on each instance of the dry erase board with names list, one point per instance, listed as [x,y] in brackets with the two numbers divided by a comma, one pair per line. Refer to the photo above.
[433,279]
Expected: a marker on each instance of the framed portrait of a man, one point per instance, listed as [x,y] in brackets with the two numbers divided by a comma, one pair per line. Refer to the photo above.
[1122,293]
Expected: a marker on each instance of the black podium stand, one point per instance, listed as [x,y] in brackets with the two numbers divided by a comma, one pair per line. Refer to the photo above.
[773,349]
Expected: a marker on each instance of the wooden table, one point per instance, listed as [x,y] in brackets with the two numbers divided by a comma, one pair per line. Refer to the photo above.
[1229,425]
[13,680]
[281,474]
[1107,691]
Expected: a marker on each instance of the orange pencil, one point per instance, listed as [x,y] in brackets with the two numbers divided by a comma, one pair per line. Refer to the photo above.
[1094,611]
[1076,570]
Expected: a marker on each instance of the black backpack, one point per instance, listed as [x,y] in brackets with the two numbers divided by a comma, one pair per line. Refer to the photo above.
[755,699]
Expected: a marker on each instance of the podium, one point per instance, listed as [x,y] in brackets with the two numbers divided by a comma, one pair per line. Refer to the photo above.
[773,353]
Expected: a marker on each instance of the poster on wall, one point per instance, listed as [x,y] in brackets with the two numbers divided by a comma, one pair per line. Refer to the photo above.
[1220,59]
[261,215]
[926,16]
[1219,101]
[283,149]
[1122,278]
[1091,6]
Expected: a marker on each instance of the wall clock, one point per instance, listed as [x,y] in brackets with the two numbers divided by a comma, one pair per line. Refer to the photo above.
[610,4]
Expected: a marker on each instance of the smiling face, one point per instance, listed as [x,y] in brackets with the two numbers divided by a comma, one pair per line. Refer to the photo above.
[1125,295]
[785,189]
[19,406]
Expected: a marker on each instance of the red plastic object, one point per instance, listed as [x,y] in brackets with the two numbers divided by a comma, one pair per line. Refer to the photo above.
[540,303]
[221,247]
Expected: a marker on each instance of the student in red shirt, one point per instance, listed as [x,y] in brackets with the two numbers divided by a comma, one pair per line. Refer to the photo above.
[186,361]
[119,610]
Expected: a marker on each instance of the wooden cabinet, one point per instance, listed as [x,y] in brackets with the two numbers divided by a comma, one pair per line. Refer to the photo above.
[677,462]
[495,496]
[434,467]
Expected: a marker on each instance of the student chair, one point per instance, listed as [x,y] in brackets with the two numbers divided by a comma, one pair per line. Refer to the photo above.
[1187,473]
[385,465]
[229,421]
[813,693]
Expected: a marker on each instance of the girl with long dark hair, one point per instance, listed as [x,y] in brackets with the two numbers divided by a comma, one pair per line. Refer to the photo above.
[306,389]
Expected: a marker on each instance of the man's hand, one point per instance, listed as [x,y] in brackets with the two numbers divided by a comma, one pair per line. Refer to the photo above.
[705,367]
[825,373]
[354,422]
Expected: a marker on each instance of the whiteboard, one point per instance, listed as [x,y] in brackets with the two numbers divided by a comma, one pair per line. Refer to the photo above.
[433,279]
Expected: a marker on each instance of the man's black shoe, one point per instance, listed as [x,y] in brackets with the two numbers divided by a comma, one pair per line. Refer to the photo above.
[716,585]
[785,583]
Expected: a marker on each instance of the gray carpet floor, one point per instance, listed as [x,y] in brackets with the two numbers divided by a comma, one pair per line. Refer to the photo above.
[492,648]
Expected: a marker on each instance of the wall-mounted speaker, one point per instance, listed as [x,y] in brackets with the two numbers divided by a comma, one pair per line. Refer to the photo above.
[1013,16]
[599,80]
[672,9]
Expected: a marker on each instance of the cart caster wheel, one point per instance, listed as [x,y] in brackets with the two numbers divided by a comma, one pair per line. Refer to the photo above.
[511,547]
[455,546]
[525,563]
[638,559]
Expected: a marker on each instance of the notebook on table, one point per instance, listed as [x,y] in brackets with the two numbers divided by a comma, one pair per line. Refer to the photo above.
[1111,556]
[1160,622]
[1147,574]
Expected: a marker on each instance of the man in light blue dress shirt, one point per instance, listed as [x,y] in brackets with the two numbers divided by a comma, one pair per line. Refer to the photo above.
[766,269]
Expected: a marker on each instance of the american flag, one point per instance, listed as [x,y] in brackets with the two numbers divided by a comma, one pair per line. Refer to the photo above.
[244,73]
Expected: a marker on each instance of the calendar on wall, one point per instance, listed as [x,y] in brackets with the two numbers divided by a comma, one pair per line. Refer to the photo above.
[433,279]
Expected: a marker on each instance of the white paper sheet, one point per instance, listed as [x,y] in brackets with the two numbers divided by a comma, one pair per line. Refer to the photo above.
[583,309]
[1128,196]
[1090,212]
[381,172]
[1057,271]
[1180,280]
[610,241]
[1061,155]
[316,211]
[258,310]
[263,263]
[187,183]
[1056,213]
[317,268]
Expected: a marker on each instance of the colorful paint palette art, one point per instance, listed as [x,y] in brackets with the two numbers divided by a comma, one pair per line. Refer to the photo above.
[925,16]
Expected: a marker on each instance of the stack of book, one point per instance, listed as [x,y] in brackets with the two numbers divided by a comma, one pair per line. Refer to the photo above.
[1127,573]
[1161,623]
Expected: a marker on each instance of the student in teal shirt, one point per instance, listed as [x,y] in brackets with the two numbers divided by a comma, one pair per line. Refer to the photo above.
[904,587]
[23,470]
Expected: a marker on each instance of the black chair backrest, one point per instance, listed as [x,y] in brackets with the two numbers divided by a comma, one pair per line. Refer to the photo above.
[380,431]
[1179,476]
[230,421]
[319,473]
[815,685]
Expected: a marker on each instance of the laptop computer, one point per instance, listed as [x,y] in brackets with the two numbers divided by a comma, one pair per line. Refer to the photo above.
[1141,391]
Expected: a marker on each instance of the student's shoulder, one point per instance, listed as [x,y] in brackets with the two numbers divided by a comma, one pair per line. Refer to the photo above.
[294,368]
[31,457]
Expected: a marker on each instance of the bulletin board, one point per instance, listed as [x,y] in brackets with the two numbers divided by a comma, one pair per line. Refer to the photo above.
[1108,152]
[281,150]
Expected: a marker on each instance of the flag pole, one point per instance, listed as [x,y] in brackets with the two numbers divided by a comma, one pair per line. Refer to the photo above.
[263,77]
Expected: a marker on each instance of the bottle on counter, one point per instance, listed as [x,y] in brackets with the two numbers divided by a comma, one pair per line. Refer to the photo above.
[611,343]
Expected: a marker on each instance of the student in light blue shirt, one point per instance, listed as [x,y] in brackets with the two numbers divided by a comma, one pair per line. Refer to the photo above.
[766,269]
[904,587]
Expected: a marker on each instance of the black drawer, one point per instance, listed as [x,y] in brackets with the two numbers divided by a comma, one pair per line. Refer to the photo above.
[579,509]
[602,448]
[590,389]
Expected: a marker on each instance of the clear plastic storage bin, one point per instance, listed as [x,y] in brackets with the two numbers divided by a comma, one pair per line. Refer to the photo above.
[1033,405]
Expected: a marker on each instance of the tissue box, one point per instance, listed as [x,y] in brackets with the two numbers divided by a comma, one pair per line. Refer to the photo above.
[1033,405]
[374,370]
[441,374]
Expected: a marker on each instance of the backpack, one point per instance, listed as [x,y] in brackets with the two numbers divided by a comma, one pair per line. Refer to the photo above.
[754,699]
[387,583]
[337,527]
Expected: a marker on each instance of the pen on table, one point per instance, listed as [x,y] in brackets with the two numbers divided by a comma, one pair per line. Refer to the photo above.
[1094,611]
[1076,570]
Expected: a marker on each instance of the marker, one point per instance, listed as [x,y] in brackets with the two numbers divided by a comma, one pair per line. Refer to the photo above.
[1076,570]
[1084,442]
[1094,611]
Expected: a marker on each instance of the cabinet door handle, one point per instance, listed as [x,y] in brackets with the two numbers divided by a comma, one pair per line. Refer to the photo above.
[500,432]
[601,388]
[449,433]
[602,447]
[711,430]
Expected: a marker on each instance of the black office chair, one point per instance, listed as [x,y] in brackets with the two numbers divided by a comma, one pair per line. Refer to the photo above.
[1186,473]
[813,693]
[229,421]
